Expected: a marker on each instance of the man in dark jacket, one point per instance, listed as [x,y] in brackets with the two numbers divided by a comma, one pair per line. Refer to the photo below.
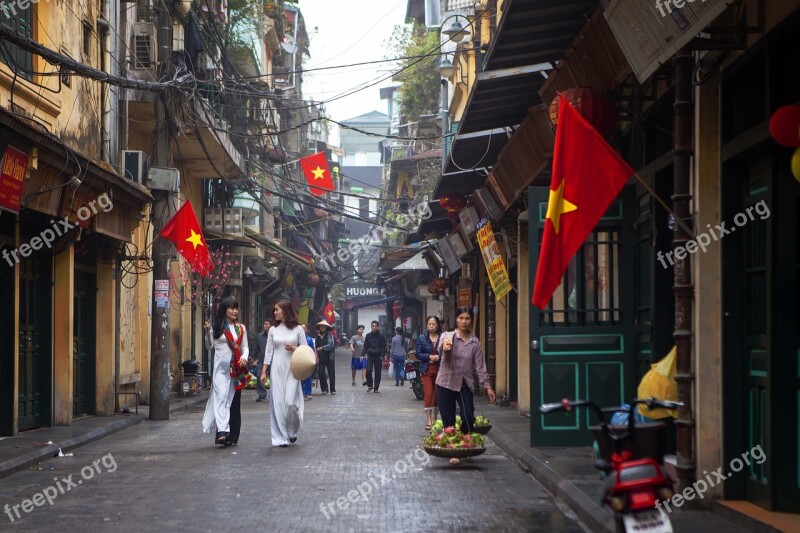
[326,348]
[374,348]
[261,342]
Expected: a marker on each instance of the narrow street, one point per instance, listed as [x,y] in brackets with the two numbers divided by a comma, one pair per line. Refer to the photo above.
[167,476]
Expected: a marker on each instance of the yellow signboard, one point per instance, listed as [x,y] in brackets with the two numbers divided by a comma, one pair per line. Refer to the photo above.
[495,267]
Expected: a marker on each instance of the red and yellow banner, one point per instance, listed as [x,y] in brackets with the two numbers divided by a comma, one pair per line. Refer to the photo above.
[12,177]
[495,267]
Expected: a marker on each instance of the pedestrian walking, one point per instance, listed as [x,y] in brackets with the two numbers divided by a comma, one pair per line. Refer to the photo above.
[326,347]
[261,343]
[306,383]
[286,394]
[228,338]
[374,348]
[462,356]
[358,361]
[428,347]
[398,351]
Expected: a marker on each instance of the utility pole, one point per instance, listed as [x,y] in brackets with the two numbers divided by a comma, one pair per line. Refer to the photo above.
[162,248]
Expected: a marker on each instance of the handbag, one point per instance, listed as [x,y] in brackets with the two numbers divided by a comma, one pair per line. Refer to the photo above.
[387,362]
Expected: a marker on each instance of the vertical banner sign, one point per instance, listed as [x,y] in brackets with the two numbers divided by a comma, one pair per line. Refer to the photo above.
[14,165]
[465,297]
[495,267]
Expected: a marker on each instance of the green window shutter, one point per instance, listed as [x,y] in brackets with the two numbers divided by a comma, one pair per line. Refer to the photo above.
[21,21]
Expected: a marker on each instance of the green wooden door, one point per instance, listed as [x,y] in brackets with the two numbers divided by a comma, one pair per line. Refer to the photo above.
[583,343]
[761,321]
[6,351]
[83,339]
[34,341]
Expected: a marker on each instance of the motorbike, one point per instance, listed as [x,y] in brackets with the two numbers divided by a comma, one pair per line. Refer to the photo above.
[414,378]
[633,485]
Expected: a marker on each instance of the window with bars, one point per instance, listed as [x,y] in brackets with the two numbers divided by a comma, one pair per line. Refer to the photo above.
[21,21]
[589,292]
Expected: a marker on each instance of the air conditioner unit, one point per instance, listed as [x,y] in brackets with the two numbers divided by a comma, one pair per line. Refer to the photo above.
[163,179]
[134,163]
[225,221]
[143,46]
[311,145]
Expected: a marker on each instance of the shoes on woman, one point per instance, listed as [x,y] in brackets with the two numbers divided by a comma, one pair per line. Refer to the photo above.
[283,445]
[324,392]
[369,389]
[292,439]
[428,427]
[396,384]
[308,397]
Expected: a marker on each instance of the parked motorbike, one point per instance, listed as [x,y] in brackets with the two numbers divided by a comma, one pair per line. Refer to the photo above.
[414,378]
[634,485]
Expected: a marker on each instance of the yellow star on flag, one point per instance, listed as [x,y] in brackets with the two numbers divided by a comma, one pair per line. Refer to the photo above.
[319,173]
[557,205]
[196,239]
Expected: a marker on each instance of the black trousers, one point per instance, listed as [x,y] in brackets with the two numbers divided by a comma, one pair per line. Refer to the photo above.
[447,407]
[324,376]
[235,420]
[374,364]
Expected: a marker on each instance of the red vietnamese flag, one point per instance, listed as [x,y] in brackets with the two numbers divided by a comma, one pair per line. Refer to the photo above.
[587,175]
[184,231]
[318,176]
[329,314]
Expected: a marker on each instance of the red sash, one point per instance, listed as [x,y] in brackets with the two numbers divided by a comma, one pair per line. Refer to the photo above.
[240,375]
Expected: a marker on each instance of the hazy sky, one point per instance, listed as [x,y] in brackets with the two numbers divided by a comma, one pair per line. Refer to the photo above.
[345,32]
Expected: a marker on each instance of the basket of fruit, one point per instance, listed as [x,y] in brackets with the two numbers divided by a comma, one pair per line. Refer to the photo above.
[482,425]
[450,443]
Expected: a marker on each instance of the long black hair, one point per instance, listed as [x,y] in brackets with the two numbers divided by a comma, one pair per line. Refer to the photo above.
[220,318]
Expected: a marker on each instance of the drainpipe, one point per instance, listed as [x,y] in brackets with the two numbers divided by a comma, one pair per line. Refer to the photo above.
[443,118]
[682,283]
[491,337]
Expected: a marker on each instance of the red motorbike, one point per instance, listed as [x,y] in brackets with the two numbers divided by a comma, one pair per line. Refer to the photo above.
[633,485]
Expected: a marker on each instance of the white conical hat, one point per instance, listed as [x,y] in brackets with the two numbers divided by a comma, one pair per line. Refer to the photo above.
[303,362]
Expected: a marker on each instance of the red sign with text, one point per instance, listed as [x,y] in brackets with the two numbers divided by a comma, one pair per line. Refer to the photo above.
[12,177]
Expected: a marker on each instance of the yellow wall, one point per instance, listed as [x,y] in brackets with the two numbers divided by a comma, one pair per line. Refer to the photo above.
[523,312]
[59,26]
[106,327]
[64,295]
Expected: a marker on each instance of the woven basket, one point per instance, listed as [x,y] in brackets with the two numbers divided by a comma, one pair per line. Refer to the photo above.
[483,430]
[458,453]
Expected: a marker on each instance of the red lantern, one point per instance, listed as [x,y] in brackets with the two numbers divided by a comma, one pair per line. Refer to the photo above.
[438,286]
[784,126]
[453,203]
[597,108]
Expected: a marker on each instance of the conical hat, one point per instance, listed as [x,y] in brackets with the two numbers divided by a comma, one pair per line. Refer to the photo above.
[303,362]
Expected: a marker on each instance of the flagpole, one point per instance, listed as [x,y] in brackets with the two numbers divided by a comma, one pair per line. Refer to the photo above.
[678,221]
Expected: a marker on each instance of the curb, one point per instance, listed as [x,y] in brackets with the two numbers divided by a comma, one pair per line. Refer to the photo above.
[31,458]
[587,510]
[23,461]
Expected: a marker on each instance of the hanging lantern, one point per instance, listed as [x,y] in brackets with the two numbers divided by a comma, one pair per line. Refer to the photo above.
[597,108]
[453,203]
[784,126]
[438,286]
[796,165]
[288,280]
[313,279]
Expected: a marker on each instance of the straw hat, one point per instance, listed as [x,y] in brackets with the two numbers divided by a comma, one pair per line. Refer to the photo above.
[324,323]
[303,362]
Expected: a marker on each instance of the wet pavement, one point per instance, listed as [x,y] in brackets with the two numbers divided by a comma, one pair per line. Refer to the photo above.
[356,466]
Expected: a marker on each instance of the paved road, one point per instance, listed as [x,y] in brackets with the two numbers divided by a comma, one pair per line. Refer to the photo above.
[167,476]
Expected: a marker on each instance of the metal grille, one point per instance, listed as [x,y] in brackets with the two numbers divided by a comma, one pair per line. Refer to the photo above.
[143,51]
